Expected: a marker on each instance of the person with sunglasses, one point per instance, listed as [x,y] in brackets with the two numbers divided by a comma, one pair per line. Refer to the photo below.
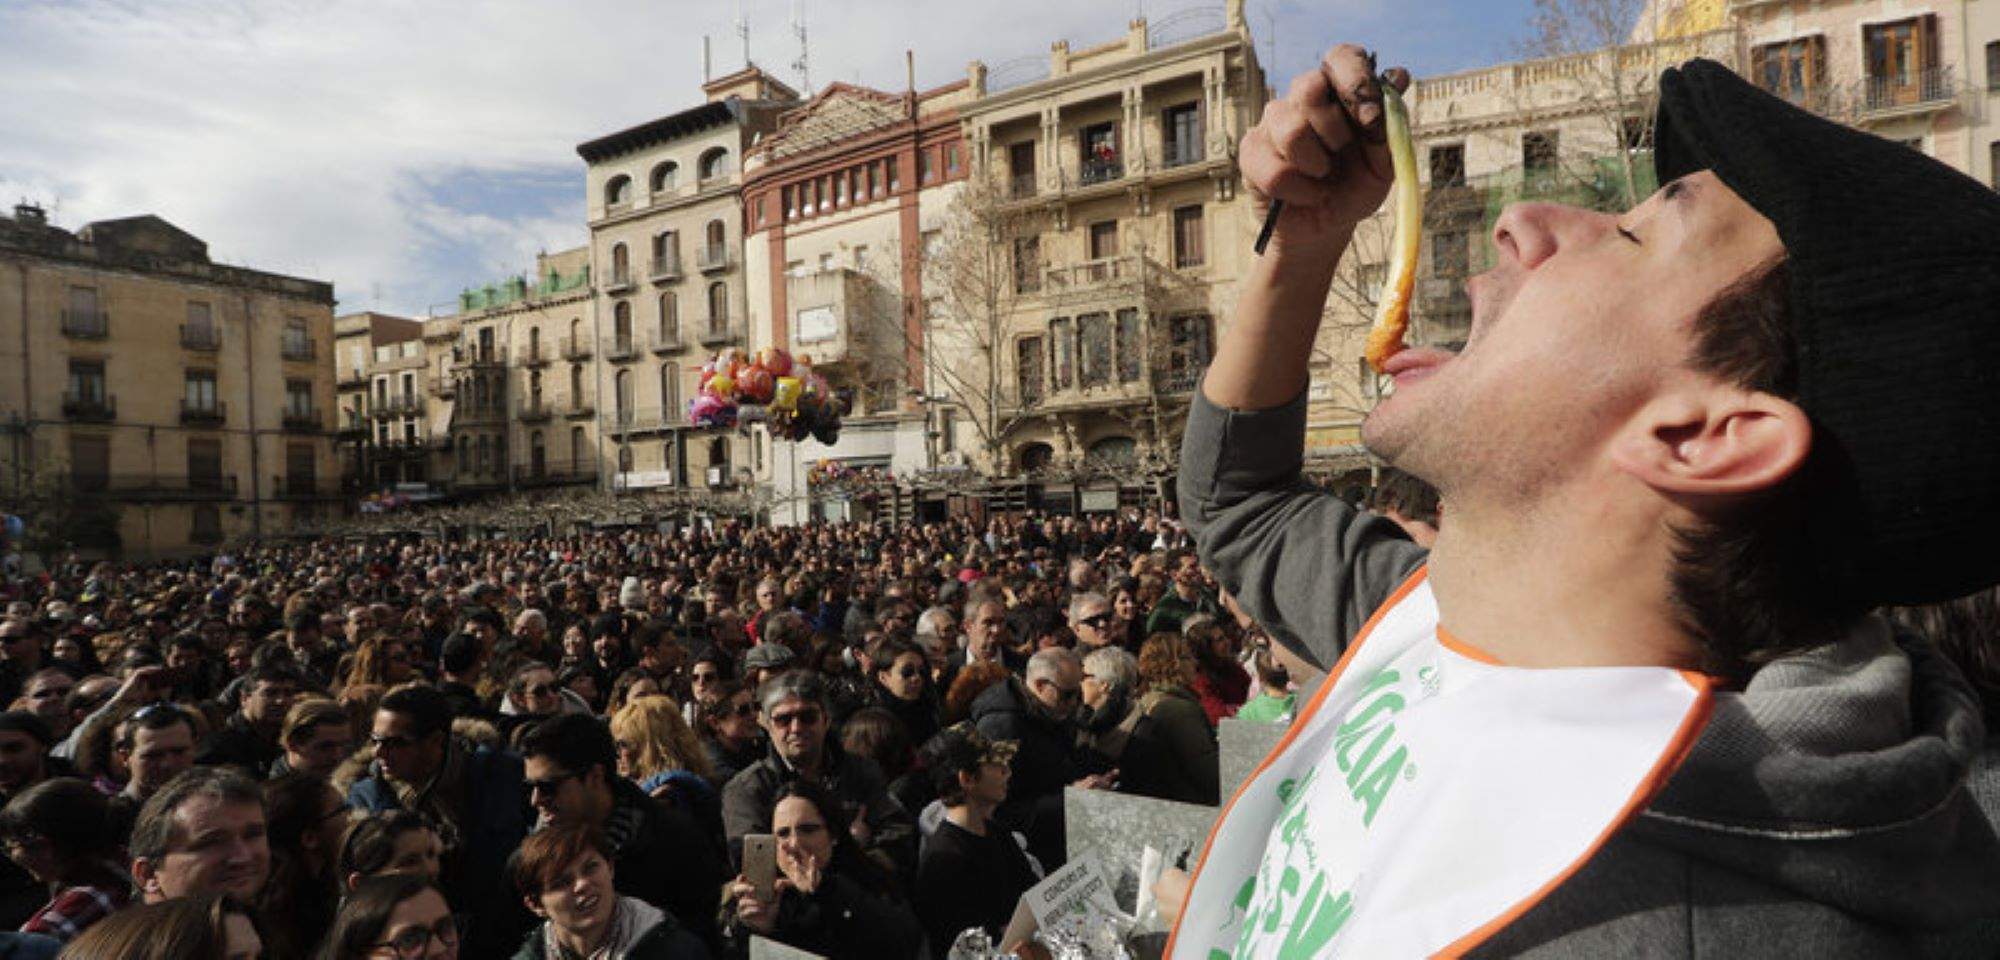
[394,917]
[729,731]
[566,875]
[901,685]
[1093,622]
[830,898]
[1038,710]
[473,796]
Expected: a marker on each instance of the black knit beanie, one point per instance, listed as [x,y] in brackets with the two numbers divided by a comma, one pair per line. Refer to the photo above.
[1895,266]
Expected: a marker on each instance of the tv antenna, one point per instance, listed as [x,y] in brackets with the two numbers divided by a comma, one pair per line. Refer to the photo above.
[743,32]
[802,63]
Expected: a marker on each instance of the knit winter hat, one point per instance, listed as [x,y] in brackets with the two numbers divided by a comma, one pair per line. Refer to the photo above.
[1895,266]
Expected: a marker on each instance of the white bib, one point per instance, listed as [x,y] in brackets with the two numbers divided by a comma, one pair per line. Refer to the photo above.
[1429,796]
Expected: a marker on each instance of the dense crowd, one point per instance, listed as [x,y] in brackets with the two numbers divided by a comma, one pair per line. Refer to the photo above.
[557,747]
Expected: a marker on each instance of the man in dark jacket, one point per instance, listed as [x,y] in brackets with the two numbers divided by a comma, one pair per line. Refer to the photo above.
[794,710]
[1038,713]
[1701,435]
[572,777]
[473,797]
[248,740]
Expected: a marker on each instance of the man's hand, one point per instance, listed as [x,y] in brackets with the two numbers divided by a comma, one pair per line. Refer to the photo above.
[143,686]
[1170,893]
[1321,149]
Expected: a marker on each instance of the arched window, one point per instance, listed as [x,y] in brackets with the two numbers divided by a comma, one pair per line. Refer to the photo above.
[715,235]
[670,317]
[623,396]
[714,163]
[670,392]
[621,325]
[535,389]
[718,307]
[621,264]
[1036,457]
[576,451]
[534,343]
[618,190]
[575,336]
[663,176]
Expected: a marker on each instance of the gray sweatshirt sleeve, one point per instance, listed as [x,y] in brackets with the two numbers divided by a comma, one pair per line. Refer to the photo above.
[1307,566]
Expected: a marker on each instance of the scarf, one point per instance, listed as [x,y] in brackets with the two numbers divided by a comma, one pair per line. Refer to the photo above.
[633,919]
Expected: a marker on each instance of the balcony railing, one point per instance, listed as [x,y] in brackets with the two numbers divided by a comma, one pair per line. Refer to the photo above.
[206,339]
[304,488]
[1181,153]
[665,269]
[301,421]
[717,332]
[579,408]
[618,280]
[1021,186]
[86,324]
[534,410]
[209,414]
[1105,270]
[525,475]
[1932,86]
[536,355]
[621,350]
[576,348]
[1101,171]
[292,348]
[665,343]
[490,357]
[400,405]
[713,257]
[88,408]
[148,486]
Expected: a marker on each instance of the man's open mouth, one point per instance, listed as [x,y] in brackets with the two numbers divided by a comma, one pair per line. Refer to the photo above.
[1408,366]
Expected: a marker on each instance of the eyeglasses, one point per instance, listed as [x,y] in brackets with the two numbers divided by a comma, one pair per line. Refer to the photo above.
[395,741]
[1095,621]
[705,676]
[803,717]
[549,784]
[540,689]
[413,941]
[745,709]
[909,673]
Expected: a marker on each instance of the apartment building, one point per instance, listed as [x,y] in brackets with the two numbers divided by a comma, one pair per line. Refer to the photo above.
[666,255]
[513,381]
[1109,171]
[189,397]
[381,404]
[839,200]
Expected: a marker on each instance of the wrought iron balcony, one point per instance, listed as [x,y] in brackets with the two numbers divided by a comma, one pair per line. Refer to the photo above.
[579,408]
[536,355]
[299,349]
[210,414]
[89,408]
[1101,171]
[718,332]
[301,421]
[205,339]
[713,257]
[86,324]
[576,348]
[1021,186]
[663,344]
[621,350]
[1180,153]
[535,410]
[665,269]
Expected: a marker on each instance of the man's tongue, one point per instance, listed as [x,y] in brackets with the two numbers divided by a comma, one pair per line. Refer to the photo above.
[1415,360]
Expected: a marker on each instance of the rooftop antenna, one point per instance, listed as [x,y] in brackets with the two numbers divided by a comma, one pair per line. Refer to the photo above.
[802,63]
[743,32]
[1271,37]
[707,62]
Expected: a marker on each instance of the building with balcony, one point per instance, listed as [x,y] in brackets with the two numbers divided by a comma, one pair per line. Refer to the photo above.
[139,371]
[1108,174]
[666,251]
[380,369]
[517,354]
[840,199]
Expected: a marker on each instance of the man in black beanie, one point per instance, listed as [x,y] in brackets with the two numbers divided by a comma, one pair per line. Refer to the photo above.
[1633,701]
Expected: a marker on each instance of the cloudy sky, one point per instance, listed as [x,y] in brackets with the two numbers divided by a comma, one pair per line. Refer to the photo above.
[406,150]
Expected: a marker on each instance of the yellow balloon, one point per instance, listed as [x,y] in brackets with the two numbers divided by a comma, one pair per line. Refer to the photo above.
[723,385]
[786,395]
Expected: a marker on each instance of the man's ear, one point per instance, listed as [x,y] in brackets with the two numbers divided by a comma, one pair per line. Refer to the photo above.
[1718,443]
[145,878]
[534,905]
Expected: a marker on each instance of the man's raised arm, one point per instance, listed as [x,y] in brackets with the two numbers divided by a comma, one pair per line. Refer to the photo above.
[1302,562]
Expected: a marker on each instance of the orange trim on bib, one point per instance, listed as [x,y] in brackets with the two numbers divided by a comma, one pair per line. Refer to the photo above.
[1670,760]
[1298,723]
[1449,641]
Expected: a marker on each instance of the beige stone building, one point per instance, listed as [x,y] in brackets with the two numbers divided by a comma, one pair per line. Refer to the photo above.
[1111,172]
[381,406]
[194,398]
[839,200]
[512,382]
[666,259]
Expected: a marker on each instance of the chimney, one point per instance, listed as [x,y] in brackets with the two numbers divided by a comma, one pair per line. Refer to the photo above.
[28,213]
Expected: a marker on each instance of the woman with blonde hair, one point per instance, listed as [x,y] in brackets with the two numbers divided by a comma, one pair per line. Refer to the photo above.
[658,751]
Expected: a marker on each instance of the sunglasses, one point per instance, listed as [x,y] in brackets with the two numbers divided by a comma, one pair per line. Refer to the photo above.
[805,717]
[547,785]
[909,673]
[1096,621]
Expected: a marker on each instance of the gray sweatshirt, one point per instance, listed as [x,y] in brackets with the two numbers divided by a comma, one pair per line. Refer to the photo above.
[1824,811]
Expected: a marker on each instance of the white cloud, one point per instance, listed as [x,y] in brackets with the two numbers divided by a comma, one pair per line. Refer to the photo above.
[318,137]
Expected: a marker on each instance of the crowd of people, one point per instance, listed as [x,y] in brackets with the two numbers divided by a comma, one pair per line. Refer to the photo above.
[557,747]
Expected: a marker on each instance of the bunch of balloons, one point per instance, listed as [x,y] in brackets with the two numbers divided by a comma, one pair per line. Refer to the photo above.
[772,388]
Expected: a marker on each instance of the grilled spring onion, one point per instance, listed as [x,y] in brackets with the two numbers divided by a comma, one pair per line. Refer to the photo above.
[1392,314]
